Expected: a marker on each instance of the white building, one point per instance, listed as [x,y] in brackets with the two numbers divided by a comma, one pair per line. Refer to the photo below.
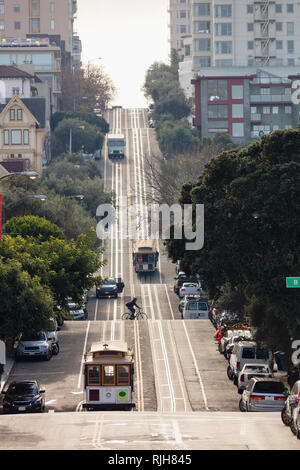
[180,23]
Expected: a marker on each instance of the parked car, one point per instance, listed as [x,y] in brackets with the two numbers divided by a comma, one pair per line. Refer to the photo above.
[108,288]
[252,370]
[295,421]
[229,334]
[189,288]
[189,297]
[77,312]
[195,309]
[35,345]
[243,336]
[263,394]
[247,353]
[290,404]
[53,336]
[181,279]
[25,396]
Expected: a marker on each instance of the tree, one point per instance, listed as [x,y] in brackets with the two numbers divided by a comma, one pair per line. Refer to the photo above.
[89,117]
[32,226]
[26,305]
[84,135]
[252,214]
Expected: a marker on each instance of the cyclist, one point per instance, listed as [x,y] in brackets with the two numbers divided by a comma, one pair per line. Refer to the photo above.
[130,305]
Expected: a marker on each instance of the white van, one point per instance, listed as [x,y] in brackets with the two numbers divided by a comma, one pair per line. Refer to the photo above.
[247,352]
[195,309]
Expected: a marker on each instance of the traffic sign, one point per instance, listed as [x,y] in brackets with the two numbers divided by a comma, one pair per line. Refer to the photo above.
[292,281]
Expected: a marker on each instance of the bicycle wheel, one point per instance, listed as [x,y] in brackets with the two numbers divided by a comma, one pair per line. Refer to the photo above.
[142,316]
[126,316]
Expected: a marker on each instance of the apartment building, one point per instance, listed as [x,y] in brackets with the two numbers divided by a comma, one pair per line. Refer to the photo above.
[245,102]
[180,23]
[36,18]
[245,33]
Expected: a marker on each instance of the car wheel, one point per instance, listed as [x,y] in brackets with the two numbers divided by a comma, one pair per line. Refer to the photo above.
[241,405]
[48,357]
[292,426]
[284,417]
[235,381]
[229,373]
[298,433]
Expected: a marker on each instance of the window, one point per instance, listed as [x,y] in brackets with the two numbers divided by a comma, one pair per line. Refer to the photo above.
[35,7]
[12,115]
[237,129]
[217,90]
[16,137]
[265,91]
[17,8]
[253,109]
[182,14]
[223,29]
[250,27]
[17,25]
[278,26]
[52,25]
[278,8]
[291,61]
[123,377]
[266,110]
[202,61]
[108,375]
[6,137]
[288,109]
[93,375]
[224,63]
[275,109]
[1,25]
[237,110]
[201,45]
[35,25]
[279,45]
[249,9]
[15,90]
[250,45]
[223,47]
[2,7]
[290,47]
[187,50]
[201,27]
[223,11]
[19,115]
[237,92]
[290,8]
[202,9]
[217,111]
[52,7]
[290,29]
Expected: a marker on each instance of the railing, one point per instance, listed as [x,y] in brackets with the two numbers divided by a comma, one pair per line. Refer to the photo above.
[270,98]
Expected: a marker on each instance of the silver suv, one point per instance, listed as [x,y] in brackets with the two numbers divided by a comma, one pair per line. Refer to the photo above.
[35,345]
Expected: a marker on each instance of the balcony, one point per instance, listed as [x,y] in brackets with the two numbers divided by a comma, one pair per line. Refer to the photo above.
[270,99]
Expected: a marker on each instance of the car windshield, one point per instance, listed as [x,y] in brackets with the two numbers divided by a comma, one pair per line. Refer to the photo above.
[34,337]
[202,306]
[109,282]
[23,388]
[269,387]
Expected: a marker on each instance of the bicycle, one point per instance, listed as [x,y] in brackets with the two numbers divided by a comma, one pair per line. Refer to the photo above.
[138,315]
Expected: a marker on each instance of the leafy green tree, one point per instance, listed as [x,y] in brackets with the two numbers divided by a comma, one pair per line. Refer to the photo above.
[252,212]
[89,117]
[26,305]
[32,226]
[84,135]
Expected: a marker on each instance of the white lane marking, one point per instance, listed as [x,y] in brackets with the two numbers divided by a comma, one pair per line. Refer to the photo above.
[83,352]
[167,367]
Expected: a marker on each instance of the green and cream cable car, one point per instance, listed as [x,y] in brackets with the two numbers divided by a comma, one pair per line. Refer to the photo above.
[109,376]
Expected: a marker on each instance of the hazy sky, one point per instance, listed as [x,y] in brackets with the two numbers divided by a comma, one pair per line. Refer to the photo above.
[129,35]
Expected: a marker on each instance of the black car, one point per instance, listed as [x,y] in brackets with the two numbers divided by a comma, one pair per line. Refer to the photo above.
[25,396]
[108,288]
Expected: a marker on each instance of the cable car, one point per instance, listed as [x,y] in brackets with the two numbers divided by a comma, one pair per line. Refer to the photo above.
[109,377]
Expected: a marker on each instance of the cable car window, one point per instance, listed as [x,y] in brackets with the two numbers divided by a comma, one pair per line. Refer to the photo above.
[94,375]
[108,375]
[202,306]
[192,306]
[123,375]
